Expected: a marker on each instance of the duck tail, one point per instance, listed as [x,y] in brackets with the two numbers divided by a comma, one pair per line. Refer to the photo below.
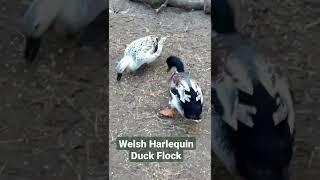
[176,62]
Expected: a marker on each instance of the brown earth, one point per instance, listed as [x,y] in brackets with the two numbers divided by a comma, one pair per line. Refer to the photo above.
[53,121]
[135,101]
[53,117]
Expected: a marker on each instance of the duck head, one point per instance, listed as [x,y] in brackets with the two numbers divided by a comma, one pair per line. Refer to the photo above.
[226,16]
[37,19]
[122,65]
[176,62]
[31,48]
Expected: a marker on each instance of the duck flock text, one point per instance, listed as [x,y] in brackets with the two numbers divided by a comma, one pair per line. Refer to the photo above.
[156,149]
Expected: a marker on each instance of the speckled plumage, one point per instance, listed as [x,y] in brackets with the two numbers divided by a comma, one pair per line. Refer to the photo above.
[186,94]
[141,51]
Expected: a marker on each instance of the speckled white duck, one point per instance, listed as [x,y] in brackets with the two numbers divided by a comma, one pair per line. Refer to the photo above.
[186,94]
[253,114]
[144,50]
[66,16]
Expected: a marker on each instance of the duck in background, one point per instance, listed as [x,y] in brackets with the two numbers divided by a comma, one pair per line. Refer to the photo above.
[186,94]
[67,16]
[253,114]
[144,50]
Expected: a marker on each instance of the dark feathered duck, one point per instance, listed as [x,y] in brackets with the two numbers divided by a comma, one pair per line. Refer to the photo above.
[144,50]
[253,114]
[186,94]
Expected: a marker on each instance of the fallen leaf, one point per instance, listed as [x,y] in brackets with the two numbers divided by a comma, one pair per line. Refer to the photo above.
[168,112]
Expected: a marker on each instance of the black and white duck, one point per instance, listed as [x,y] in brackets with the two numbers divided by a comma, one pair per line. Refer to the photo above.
[253,114]
[66,16]
[144,50]
[186,94]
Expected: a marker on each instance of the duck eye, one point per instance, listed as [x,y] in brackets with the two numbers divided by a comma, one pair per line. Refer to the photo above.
[36,26]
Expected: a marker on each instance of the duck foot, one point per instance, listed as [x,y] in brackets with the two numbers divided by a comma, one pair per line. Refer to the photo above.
[168,112]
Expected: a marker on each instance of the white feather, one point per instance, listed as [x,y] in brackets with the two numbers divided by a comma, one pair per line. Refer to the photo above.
[142,51]
[175,103]
[185,85]
[242,77]
[69,14]
[197,89]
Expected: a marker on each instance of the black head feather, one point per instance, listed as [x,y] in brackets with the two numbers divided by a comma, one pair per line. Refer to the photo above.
[176,62]
[31,49]
[223,20]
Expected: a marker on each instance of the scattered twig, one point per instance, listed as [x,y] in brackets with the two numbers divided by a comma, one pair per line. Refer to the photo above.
[68,127]
[69,162]
[312,24]
[40,100]
[3,130]
[88,143]
[11,29]
[70,102]
[3,167]
[162,6]
[11,141]
[96,131]
[311,157]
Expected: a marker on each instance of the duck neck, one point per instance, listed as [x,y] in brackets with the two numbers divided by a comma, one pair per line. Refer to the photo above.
[179,68]
[123,64]
[223,17]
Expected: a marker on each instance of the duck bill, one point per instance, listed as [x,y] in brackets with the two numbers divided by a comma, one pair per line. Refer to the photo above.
[31,49]
[119,75]
[197,121]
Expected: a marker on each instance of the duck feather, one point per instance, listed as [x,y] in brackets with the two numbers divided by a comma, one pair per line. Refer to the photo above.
[181,83]
[142,48]
[141,51]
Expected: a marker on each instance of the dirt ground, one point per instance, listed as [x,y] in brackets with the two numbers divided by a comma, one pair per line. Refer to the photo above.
[136,100]
[290,31]
[53,118]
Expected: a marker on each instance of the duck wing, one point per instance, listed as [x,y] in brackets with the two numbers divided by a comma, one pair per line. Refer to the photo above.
[244,72]
[142,48]
[181,86]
